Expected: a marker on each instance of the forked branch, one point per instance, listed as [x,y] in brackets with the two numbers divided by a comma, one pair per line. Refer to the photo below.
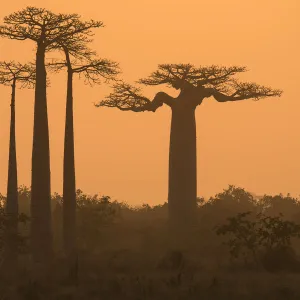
[127,97]
[12,72]
[243,91]
[92,69]
[46,28]
[180,76]
[95,69]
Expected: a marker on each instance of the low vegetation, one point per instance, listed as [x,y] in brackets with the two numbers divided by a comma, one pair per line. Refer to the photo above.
[242,247]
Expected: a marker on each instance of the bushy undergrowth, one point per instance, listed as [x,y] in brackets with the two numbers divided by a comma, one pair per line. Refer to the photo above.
[129,252]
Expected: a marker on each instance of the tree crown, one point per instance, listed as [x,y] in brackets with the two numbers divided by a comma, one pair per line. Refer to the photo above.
[12,72]
[80,59]
[193,83]
[45,27]
[180,75]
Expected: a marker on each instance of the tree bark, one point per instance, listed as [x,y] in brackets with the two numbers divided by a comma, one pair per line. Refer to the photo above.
[41,232]
[182,165]
[69,182]
[12,208]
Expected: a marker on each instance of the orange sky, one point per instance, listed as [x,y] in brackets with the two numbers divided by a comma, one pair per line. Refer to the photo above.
[255,145]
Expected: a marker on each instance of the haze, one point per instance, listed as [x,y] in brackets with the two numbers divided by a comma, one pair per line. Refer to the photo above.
[252,144]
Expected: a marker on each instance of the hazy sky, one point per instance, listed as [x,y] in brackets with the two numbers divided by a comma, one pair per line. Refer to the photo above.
[252,144]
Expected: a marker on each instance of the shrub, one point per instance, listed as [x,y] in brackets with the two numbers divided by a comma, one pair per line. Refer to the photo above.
[265,239]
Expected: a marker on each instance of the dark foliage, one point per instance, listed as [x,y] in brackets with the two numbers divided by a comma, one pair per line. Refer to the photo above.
[129,253]
[268,236]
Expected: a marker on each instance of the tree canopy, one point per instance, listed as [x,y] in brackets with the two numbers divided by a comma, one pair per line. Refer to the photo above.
[45,27]
[216,81]
[11,71]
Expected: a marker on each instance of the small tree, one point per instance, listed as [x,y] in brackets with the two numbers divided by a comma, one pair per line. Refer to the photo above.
[12,73]
[244,236]
[275,232]
[262,235]
[195,84]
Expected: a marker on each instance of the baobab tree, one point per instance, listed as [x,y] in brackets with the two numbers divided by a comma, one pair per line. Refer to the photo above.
[80,60]
[194,84]
[45,29]
[12,73]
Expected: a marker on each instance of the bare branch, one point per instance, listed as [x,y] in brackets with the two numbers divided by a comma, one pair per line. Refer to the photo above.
[95,69]
[215,75]
[127,97]
[73,29]
[181,76]
[15,33]
[12,71]
[56,65]
[45,27]
[243,91]
[84,62]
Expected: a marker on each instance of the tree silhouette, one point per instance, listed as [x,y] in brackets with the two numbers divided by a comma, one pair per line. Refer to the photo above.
[79,59]
[194,84]
[12,73]
[272,235]
[46,29]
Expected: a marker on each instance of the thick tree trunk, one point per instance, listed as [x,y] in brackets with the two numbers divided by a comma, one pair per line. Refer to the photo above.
[12,208]
[69,184]
[41,232]
[182,165]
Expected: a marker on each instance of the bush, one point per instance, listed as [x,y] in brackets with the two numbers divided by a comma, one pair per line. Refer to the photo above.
[265,239]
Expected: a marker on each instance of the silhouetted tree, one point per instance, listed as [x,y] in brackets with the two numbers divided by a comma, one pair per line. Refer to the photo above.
[79,59]
[46,29]
[269,235]
[195,84]
[12,73]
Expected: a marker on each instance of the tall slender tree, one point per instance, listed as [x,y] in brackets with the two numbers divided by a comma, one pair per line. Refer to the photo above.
[12,73]
[45,29]
[194,84]
[79,59]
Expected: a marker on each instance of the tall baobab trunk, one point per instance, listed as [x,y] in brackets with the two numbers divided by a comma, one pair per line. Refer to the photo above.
[69,188]
[12,208]
[41,233]
[182,165]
